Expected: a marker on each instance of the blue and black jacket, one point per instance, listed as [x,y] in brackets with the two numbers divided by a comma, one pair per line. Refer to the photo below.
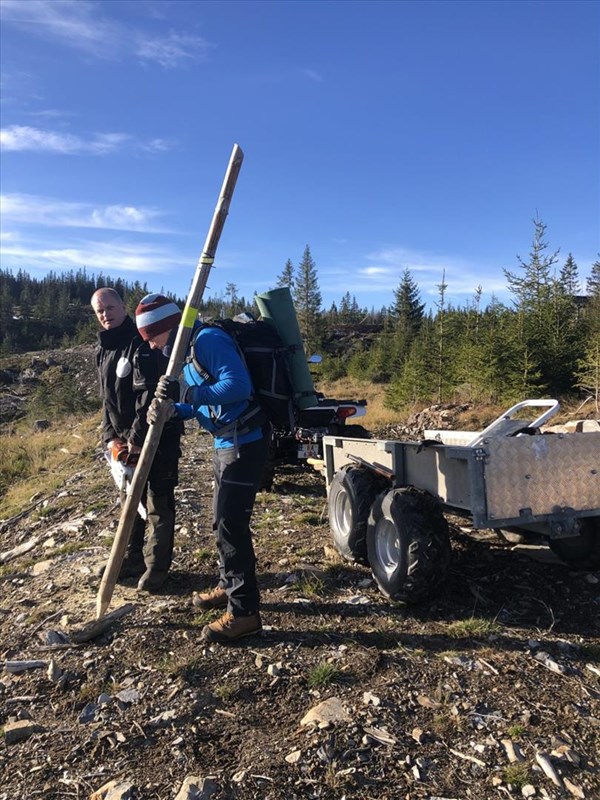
[219,392]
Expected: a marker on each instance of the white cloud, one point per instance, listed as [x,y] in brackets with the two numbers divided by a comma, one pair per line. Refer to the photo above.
[49,113]
[23,137]
[172,50]
[461,275]
[83,25]
[382,273]
[24,209]
[157,145]
[126,217]
[74,23]
[376,271]
[96,256]
[105,143]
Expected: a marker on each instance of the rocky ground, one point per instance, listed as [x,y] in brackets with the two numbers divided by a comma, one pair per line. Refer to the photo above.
[491,690]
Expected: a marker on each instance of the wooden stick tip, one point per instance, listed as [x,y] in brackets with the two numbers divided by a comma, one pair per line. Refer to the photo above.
[101,607]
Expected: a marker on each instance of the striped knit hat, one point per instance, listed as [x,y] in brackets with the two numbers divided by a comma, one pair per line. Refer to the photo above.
[156,314]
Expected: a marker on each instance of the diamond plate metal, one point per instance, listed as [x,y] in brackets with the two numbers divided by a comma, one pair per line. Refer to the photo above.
[542,473]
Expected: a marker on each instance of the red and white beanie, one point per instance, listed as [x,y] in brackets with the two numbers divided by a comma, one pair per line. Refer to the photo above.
[156,314]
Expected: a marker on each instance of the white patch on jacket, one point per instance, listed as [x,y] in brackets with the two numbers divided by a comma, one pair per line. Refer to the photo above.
[123,367]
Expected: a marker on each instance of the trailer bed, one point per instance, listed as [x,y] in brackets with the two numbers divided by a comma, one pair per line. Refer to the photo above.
[505,481]
[386,497]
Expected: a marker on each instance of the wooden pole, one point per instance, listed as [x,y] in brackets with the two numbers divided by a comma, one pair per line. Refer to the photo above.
[179,352]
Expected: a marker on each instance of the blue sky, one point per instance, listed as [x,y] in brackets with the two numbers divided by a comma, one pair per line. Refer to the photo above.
[385,135]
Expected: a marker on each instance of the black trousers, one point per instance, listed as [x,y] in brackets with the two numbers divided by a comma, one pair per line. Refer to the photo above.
[157,550]
[159,501]
[237,473]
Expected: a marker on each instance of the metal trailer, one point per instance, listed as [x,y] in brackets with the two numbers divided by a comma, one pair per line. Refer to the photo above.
[386,498]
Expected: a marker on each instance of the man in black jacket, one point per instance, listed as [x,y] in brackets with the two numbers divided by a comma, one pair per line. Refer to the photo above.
[129,371]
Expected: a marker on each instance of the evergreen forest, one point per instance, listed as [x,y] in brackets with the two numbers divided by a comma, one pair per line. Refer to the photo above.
[545,343]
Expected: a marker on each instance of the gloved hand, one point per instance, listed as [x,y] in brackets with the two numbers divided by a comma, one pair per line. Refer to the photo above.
[153,410]
[133,454]
[168,389]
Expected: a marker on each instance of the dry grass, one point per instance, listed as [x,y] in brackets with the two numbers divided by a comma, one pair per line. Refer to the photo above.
[35,464]
[378,416]
[347,388]
[474,419]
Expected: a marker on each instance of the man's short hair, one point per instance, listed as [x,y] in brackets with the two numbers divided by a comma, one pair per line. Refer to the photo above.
[108,290]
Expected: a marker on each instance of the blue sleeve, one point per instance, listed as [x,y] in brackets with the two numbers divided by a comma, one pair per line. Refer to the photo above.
[218,354]
[184,410]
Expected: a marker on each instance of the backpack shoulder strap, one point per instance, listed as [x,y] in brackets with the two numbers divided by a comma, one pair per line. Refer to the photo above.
[253,416]
[200,369]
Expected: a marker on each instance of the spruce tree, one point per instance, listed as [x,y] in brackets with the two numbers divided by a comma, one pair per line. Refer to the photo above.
[358,365]
[569,277]
[591,316]
[568,332]
[532,289]
[381,367]
[548,335]
[442,358]
[136,292]
[524,377]
[407,309]
[232,304]
[593,282]
[416,382]
[286,276]
[344,310]
[307,299]
[588,369]
[468,359]
[406,315]
[356,312]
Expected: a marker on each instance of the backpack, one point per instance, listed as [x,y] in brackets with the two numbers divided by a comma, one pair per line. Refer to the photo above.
[266,358]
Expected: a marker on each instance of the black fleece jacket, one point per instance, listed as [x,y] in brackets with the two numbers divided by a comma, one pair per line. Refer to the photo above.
[129,371]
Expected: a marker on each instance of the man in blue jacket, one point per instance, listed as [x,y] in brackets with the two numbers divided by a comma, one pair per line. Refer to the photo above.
[219,396]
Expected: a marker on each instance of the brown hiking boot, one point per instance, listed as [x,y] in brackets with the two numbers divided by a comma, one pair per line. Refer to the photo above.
[229,628]
[214,598]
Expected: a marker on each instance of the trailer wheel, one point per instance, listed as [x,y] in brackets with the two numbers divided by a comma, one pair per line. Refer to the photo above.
[408,544]
[351,495]
[583,551]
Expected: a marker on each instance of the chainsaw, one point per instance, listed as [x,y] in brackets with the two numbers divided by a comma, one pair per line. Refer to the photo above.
[122,467]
